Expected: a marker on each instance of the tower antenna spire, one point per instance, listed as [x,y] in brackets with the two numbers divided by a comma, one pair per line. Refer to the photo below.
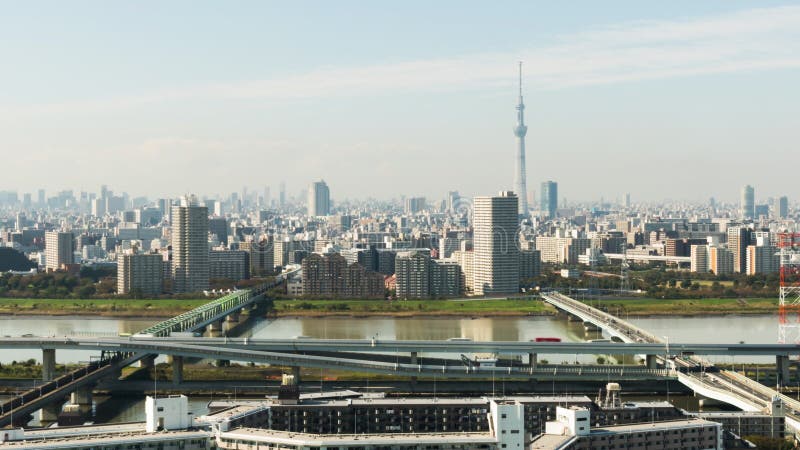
[520,182]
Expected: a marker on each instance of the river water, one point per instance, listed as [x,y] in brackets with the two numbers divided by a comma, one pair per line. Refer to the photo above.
[761,329]
[752,329]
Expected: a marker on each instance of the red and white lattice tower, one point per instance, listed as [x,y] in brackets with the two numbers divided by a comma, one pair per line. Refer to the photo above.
[789,305]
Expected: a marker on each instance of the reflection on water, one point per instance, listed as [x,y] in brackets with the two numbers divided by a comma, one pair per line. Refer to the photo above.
[759,329]
[64,326]
[725,329]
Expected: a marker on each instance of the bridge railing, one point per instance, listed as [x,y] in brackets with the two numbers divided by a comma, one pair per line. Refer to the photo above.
[55,384]
[182,322]
[608,319]
[190,319]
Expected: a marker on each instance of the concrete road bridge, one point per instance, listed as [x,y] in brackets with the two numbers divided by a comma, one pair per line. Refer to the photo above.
[724,385]
[212,317]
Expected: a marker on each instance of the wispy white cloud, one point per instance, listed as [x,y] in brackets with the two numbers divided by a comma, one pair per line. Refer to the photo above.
[754,39]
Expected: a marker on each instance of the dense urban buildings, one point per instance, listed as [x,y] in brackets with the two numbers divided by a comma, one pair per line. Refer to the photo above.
[229,264]
[330,276]
[241,235]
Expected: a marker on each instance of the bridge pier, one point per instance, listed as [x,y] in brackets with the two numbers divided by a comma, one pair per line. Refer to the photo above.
[214,329]
[230,322]
[83,398]
[651,361]
[177,369]
[782,370]
[246,310]
[296,374]
[532,360]
[48,415]
[414,360]
[48,364]
[147,362]
[589,326]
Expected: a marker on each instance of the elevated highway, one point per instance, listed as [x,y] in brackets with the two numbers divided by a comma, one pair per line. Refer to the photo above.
[355,362]
[53,391]
[648,258]
[177,346]
[724,385]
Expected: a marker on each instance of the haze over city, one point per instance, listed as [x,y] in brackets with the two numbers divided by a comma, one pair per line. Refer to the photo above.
[373,225]
[684,100]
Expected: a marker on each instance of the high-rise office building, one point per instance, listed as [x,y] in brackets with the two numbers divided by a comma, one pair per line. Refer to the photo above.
[190,253]
[748,202]
[520,179]
[414,205]
[40,198]
[319,199]
[783,207]
[58,248]
[218,226]
[496,257]
[549,199]
[452,201]
[140,273]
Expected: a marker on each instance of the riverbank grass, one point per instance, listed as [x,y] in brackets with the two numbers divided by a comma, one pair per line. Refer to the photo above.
[686,307]
[100,307]
[407,308]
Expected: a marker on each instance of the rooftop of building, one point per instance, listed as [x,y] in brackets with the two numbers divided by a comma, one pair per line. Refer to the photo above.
[84,441]
[425,401]
[550,441]
[300,439]
[653,426]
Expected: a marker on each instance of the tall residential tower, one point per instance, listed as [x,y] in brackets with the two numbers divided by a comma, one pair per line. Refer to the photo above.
[496,259]
[520,180]
[748,202]
[190,254]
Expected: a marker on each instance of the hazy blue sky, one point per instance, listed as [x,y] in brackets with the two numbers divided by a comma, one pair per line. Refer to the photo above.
[679,99]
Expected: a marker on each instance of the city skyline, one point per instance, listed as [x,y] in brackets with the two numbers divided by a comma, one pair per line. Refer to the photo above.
[710,93]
